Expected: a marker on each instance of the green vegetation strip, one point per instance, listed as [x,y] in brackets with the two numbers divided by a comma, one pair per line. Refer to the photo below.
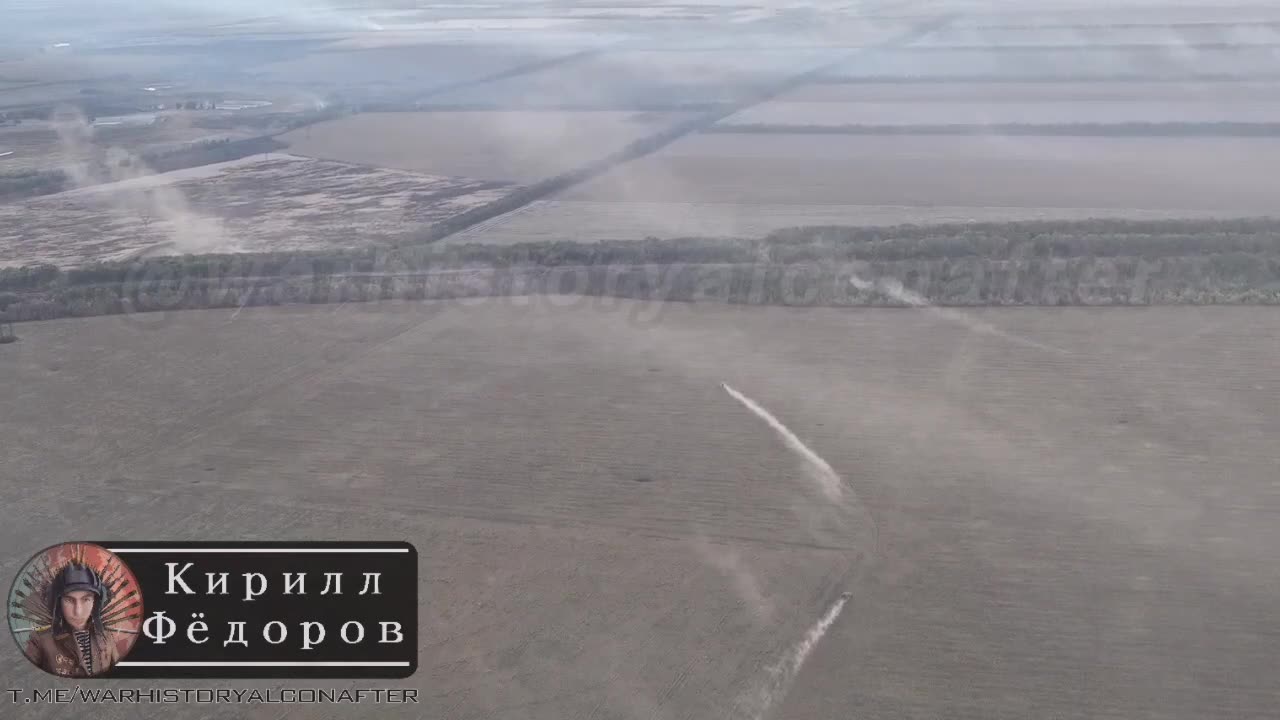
[1099,262]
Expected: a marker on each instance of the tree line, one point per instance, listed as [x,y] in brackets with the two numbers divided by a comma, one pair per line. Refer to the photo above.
[1086,262]
[209,152]
[1216,279]
[30,183]
[1018,241]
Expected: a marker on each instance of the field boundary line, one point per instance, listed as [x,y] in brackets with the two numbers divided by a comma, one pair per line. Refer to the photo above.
[651,144]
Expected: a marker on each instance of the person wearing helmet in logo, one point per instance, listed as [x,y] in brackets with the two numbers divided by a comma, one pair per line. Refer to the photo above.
[77,644]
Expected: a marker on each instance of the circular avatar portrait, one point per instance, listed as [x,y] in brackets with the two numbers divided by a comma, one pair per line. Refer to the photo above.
[75,610]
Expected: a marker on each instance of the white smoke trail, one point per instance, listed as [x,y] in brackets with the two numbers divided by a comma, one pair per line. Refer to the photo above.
[894,289]
[818,469]
[784,672]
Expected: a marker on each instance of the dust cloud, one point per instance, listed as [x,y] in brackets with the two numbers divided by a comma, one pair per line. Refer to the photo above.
[122,183]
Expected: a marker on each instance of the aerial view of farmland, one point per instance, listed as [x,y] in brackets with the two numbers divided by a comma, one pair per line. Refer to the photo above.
[716,359]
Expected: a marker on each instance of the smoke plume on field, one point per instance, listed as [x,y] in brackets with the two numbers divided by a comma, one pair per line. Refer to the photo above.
[159,210]
[815,467]
[895,289]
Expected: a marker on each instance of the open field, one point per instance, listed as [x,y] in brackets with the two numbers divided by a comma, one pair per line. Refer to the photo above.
[731,184]
[399,71]
[630,78]
[1101,63]
[1233,94]
[282,202]
[1229,175]
[628,507]
[1060,110]
[514,146]
[1241,33]
[1055,512]
[1053,103]
[54,70]
[1090,14]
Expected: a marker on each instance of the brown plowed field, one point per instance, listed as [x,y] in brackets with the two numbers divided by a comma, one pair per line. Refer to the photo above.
[1076,526]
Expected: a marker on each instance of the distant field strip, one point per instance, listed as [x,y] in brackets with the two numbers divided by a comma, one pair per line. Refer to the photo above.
[1122,129]
[514,72]
[1184,35]
[1015,100]
[1188,109]
[1228,174]
[508,145]
[1103,47]
[1171,60]
[1039,78]
[653,143]
[1093,26]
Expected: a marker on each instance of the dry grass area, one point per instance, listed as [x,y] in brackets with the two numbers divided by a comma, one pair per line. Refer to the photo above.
[280,202]
[1028,528]
[515,146]
[1183,174]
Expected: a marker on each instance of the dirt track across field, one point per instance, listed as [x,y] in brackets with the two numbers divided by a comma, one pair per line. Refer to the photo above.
[1075,526]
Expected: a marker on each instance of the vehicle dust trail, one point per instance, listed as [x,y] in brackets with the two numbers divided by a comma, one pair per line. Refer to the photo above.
[897,291]
[821,472]
[243,302]
[780,676]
